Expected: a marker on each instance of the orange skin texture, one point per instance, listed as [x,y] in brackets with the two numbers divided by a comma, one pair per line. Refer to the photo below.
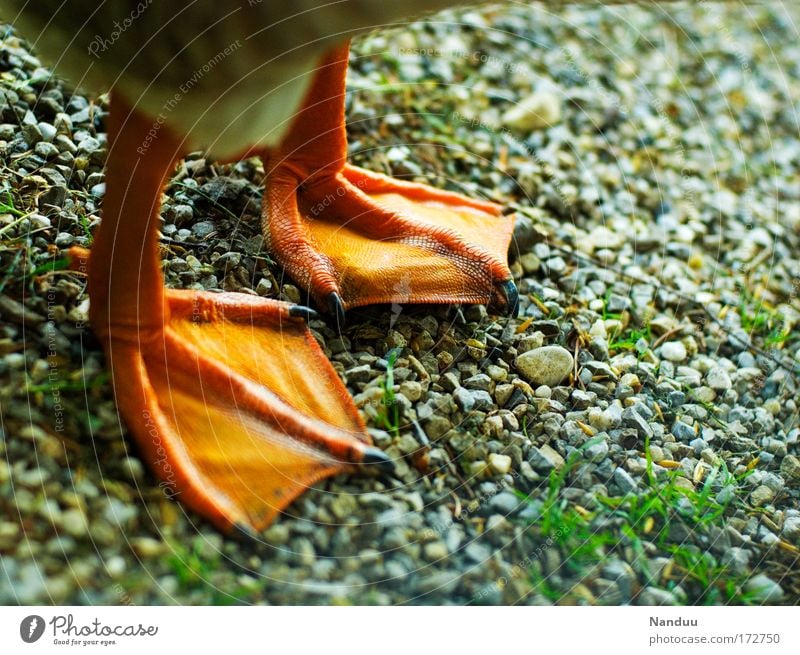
[228,396]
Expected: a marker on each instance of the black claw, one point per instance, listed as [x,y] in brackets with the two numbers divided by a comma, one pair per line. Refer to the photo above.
[301,311]
[246,532]
[336,308]
[377,458]
[509,290]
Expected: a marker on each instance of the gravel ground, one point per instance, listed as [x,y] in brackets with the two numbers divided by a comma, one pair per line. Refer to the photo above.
[632,438]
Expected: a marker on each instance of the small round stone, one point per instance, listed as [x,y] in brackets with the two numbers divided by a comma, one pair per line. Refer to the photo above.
[718,379]
[673,351]
[548,365]
[499,464]
[539,110]
[74,522]
[762,495]
[764,589]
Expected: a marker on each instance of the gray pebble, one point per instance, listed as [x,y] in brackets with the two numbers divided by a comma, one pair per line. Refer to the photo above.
[478,552]
[653,596]
[545,459]
[736,558]
[480,382]
[790,467]
[32,133]
[791,529]
[764,589]
[718,379]
[203,229]
[632,419]
[554,266]
[762,495]
[683,431]
[505,503]
[617,304]
[597,452]
[74,522]
[45,150]
[624,481]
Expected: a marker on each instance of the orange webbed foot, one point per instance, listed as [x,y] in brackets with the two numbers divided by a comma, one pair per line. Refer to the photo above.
[352,237]
[237,406]
[234,405]
[228,396]
[358,238]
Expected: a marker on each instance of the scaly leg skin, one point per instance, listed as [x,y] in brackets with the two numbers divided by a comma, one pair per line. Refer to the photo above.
[228,396]
[353,237]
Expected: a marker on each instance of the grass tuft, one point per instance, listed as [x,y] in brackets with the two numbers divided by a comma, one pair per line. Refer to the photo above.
[389,413]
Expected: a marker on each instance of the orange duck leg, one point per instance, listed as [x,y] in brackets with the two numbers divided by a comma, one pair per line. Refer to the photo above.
[227,395]
[352,237]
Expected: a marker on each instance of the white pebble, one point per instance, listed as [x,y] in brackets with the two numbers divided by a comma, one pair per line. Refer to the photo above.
[673,351]
[500,464]
[539,110]
[548,365]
